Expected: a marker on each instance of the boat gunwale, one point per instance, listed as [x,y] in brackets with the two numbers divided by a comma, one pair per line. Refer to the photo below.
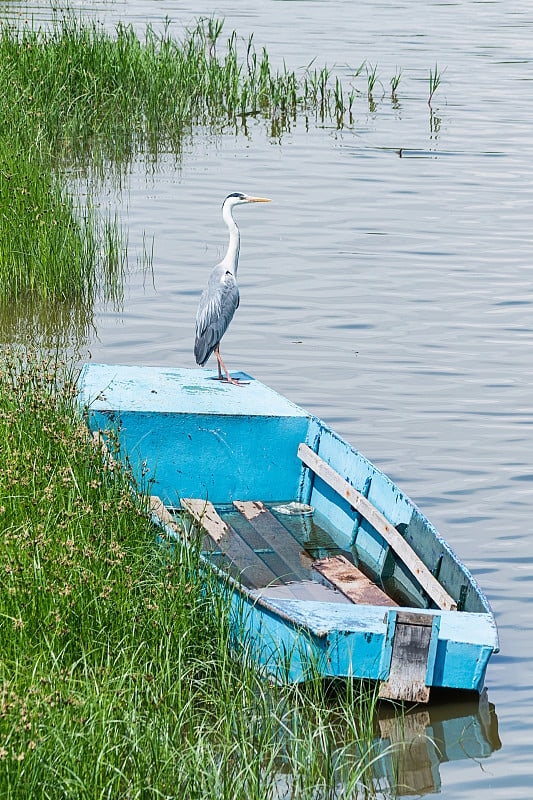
[324,426]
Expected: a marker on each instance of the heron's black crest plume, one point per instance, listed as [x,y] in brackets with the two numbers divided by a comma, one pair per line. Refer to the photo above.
[240,195]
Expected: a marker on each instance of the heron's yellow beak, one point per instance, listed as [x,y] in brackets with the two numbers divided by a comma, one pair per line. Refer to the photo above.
[258,200]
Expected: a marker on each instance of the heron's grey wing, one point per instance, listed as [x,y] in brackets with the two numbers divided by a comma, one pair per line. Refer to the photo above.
[218,303]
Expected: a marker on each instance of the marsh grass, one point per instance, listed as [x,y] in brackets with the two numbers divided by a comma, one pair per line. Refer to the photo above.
[51,246]
[371,78]
[118,672]
[84,92]
[394,83]
[435,78]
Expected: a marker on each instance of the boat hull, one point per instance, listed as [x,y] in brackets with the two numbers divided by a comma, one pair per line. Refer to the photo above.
[197,437]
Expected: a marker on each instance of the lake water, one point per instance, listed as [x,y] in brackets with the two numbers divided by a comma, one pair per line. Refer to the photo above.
[389,293]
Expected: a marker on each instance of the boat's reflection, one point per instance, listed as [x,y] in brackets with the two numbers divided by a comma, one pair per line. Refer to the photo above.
[404,756]
[415,744]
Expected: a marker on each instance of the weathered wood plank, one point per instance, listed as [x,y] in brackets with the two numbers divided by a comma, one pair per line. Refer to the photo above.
[271,533]
[253,571]
[380,523]
[158,508]
[204,512]
[408,668]
[349,580]
[412,618]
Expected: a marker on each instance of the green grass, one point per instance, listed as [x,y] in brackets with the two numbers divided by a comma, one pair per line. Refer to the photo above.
[394,83]
[118,672]
[371,77]
[435,78]
[50,247]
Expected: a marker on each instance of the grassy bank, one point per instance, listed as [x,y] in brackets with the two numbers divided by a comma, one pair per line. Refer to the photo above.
[117,677]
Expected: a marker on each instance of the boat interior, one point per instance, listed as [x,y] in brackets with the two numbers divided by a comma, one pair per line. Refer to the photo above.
[290,549]
[284,550]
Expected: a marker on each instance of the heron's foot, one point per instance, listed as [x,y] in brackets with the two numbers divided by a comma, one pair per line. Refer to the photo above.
[233,381]
[222,368]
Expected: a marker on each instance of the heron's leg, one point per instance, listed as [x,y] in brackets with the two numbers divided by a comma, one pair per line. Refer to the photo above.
[221,364]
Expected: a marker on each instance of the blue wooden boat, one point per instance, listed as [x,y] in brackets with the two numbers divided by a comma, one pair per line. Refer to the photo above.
[332,569]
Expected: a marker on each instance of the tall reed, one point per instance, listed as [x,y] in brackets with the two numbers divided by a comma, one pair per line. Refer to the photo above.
[49,244]
[435,78]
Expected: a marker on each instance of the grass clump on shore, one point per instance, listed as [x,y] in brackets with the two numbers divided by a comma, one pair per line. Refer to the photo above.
[117,676]
[49,247]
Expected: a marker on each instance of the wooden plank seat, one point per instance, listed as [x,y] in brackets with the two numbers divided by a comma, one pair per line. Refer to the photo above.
[381,524]
[349,580]
[228,548]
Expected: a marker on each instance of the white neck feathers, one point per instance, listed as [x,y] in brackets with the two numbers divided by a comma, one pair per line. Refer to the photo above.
[231,259]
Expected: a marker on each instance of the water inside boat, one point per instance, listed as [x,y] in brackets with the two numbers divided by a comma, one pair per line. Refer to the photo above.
[279,551]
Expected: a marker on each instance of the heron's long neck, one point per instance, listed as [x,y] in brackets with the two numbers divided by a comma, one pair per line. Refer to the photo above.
[231,259]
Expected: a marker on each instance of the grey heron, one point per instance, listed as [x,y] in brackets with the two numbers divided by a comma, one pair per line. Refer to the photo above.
[220,298]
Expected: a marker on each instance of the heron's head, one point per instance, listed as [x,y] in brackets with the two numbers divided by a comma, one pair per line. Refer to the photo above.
[238,199]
